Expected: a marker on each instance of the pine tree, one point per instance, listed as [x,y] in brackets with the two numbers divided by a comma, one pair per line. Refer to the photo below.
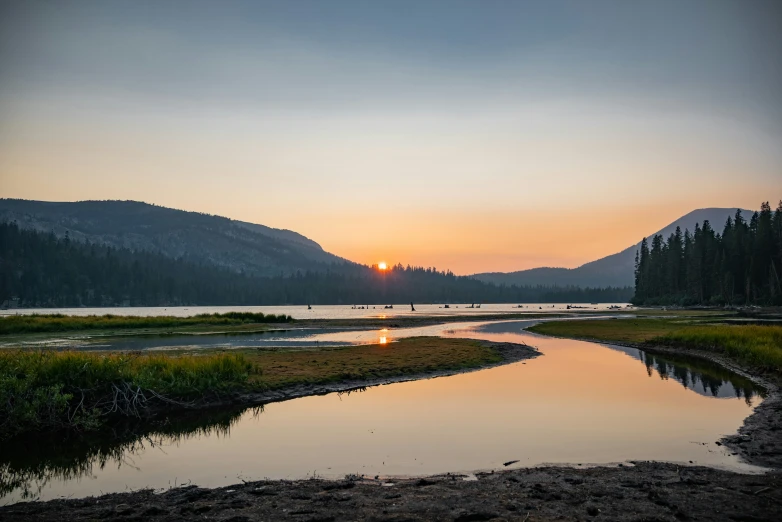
[776,266]
[742,265]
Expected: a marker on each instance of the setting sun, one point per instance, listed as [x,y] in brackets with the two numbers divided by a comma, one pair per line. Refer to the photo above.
[382,265]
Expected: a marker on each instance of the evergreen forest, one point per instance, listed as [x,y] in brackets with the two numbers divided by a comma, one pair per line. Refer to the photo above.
[742,265]
[40,270]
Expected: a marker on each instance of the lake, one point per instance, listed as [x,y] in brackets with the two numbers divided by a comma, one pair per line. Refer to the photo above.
[325,311]
[579,403]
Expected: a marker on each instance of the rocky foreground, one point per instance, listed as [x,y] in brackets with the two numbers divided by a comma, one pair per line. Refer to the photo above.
[644,492]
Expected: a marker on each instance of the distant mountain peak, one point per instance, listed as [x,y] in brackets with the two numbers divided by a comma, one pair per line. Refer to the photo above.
[615,269]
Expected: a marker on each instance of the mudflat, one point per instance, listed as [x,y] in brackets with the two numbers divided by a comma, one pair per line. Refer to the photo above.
[646,491]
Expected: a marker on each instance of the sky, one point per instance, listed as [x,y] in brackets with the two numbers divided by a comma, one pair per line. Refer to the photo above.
[474,136]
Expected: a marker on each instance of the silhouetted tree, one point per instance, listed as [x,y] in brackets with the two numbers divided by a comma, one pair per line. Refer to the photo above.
[44,271]
[743,265]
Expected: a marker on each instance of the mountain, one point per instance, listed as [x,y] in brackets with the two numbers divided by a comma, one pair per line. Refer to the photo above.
[614,270]
[39,270]
[194,237]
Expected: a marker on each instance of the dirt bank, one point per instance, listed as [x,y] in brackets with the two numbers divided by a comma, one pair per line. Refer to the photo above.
[646,491]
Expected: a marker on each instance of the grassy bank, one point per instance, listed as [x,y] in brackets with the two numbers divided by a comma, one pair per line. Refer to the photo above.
[42,390]
[415,355]
[45,390]
[753,345]
[16,324]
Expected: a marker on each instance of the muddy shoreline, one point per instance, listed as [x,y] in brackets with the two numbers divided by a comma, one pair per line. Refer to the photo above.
[646,491]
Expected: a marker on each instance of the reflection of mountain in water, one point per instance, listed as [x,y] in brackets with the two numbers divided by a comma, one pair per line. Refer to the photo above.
[28,464]
[701,376]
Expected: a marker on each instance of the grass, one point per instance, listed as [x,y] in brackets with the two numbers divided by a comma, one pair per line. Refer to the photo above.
[750,344]
[16,324]
[409,356]
[625,330]
[73,390]
[754,345]
[80,390]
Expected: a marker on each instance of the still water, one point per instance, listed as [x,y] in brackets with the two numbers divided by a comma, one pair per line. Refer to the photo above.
[326,311]
[578,403]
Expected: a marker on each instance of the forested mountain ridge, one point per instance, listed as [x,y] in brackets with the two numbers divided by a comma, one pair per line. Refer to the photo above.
[742,265]
[199,238]
[42,270]
[614,270]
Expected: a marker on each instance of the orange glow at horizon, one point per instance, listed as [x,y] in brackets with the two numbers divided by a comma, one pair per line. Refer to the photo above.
[520,239]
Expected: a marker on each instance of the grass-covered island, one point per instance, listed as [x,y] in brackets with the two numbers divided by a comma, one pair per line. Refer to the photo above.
[79,390]
[749,345]
[36,323]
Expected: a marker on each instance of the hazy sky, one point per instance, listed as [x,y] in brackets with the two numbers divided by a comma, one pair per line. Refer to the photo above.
[491,135]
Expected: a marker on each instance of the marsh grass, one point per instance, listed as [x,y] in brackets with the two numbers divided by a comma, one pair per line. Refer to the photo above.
[756,345]
[49,389]
[414,355]
[749,344]
[16,324]
[626,330]
[79,390]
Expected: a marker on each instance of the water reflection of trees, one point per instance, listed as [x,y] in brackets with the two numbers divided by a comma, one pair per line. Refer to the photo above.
[701,376]
[27,465]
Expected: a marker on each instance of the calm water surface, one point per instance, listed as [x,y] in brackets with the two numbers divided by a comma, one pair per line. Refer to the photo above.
[578,403]
[323,312]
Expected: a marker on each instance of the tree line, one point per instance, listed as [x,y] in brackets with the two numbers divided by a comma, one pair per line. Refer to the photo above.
[42,270]
[743,265]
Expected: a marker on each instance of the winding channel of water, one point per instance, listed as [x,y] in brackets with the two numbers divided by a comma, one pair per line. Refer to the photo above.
[579,403]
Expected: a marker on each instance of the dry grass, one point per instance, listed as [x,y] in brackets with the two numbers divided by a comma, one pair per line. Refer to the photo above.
[407,356]
[626,330]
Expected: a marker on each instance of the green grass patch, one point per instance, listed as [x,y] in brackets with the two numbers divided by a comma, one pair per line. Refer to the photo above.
[80,390]
[755,345]
[16,324]
[749,344]
[48,389]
